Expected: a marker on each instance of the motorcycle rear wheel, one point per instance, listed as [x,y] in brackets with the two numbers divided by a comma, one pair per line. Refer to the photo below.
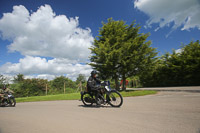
[86,96]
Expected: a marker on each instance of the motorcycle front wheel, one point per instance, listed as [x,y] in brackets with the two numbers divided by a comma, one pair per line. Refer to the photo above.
[114,98]
[87,99]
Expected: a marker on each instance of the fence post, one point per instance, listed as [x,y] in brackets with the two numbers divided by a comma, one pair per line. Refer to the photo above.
[64,87]
[79,86]
[46,89]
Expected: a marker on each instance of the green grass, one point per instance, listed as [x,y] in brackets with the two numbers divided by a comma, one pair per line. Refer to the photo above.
[76,96]
[137,93]
[71,96]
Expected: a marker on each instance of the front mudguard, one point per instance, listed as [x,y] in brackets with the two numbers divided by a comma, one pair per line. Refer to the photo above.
[82,92]
[107,94]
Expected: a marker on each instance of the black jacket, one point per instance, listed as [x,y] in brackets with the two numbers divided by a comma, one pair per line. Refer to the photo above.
[92,83]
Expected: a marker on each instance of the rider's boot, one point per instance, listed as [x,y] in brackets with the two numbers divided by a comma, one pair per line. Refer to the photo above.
[98,101]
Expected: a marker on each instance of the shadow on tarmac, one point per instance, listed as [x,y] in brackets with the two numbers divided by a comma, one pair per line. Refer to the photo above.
[96,106]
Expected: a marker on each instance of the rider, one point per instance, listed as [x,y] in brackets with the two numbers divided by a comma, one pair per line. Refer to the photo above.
[7,90]
[92,83]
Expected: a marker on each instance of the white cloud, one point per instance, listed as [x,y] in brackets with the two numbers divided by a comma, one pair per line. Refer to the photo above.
[37,67]
[183,13]
[179,51]
[41,76]
[43,33]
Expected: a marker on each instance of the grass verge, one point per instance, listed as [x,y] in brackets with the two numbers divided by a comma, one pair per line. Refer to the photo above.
[76,96]
[137,93]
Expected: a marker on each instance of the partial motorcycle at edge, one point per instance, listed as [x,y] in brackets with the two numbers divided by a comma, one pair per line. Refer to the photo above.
[8,100]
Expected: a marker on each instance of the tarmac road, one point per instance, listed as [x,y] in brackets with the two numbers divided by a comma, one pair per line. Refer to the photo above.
[165,112]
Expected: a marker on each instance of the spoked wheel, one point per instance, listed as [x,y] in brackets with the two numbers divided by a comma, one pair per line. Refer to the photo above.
[115,99]
[87,99]
[12,102]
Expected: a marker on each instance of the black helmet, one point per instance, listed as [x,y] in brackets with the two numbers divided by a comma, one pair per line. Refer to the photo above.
[93,73]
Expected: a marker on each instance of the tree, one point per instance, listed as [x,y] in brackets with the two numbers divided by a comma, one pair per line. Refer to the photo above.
[190,57]
[19,78]
[58,83]
[30,87]
[2,81]
[106,50]
[81,78]
[121,51]
[176,69]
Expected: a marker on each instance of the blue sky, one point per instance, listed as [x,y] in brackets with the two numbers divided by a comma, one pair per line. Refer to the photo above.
[170,23]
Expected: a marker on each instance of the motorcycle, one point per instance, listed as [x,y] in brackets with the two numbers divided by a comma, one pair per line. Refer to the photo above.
[8,100]
[106,96]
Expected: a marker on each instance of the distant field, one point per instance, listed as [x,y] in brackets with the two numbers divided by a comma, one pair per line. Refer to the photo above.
[76,96]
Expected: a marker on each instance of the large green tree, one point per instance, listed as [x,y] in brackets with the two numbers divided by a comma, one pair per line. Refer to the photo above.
[179,68]
[121,51]
[190,57]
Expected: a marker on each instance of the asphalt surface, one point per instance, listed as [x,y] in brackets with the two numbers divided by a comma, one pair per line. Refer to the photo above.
[165,112]
[195,89]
